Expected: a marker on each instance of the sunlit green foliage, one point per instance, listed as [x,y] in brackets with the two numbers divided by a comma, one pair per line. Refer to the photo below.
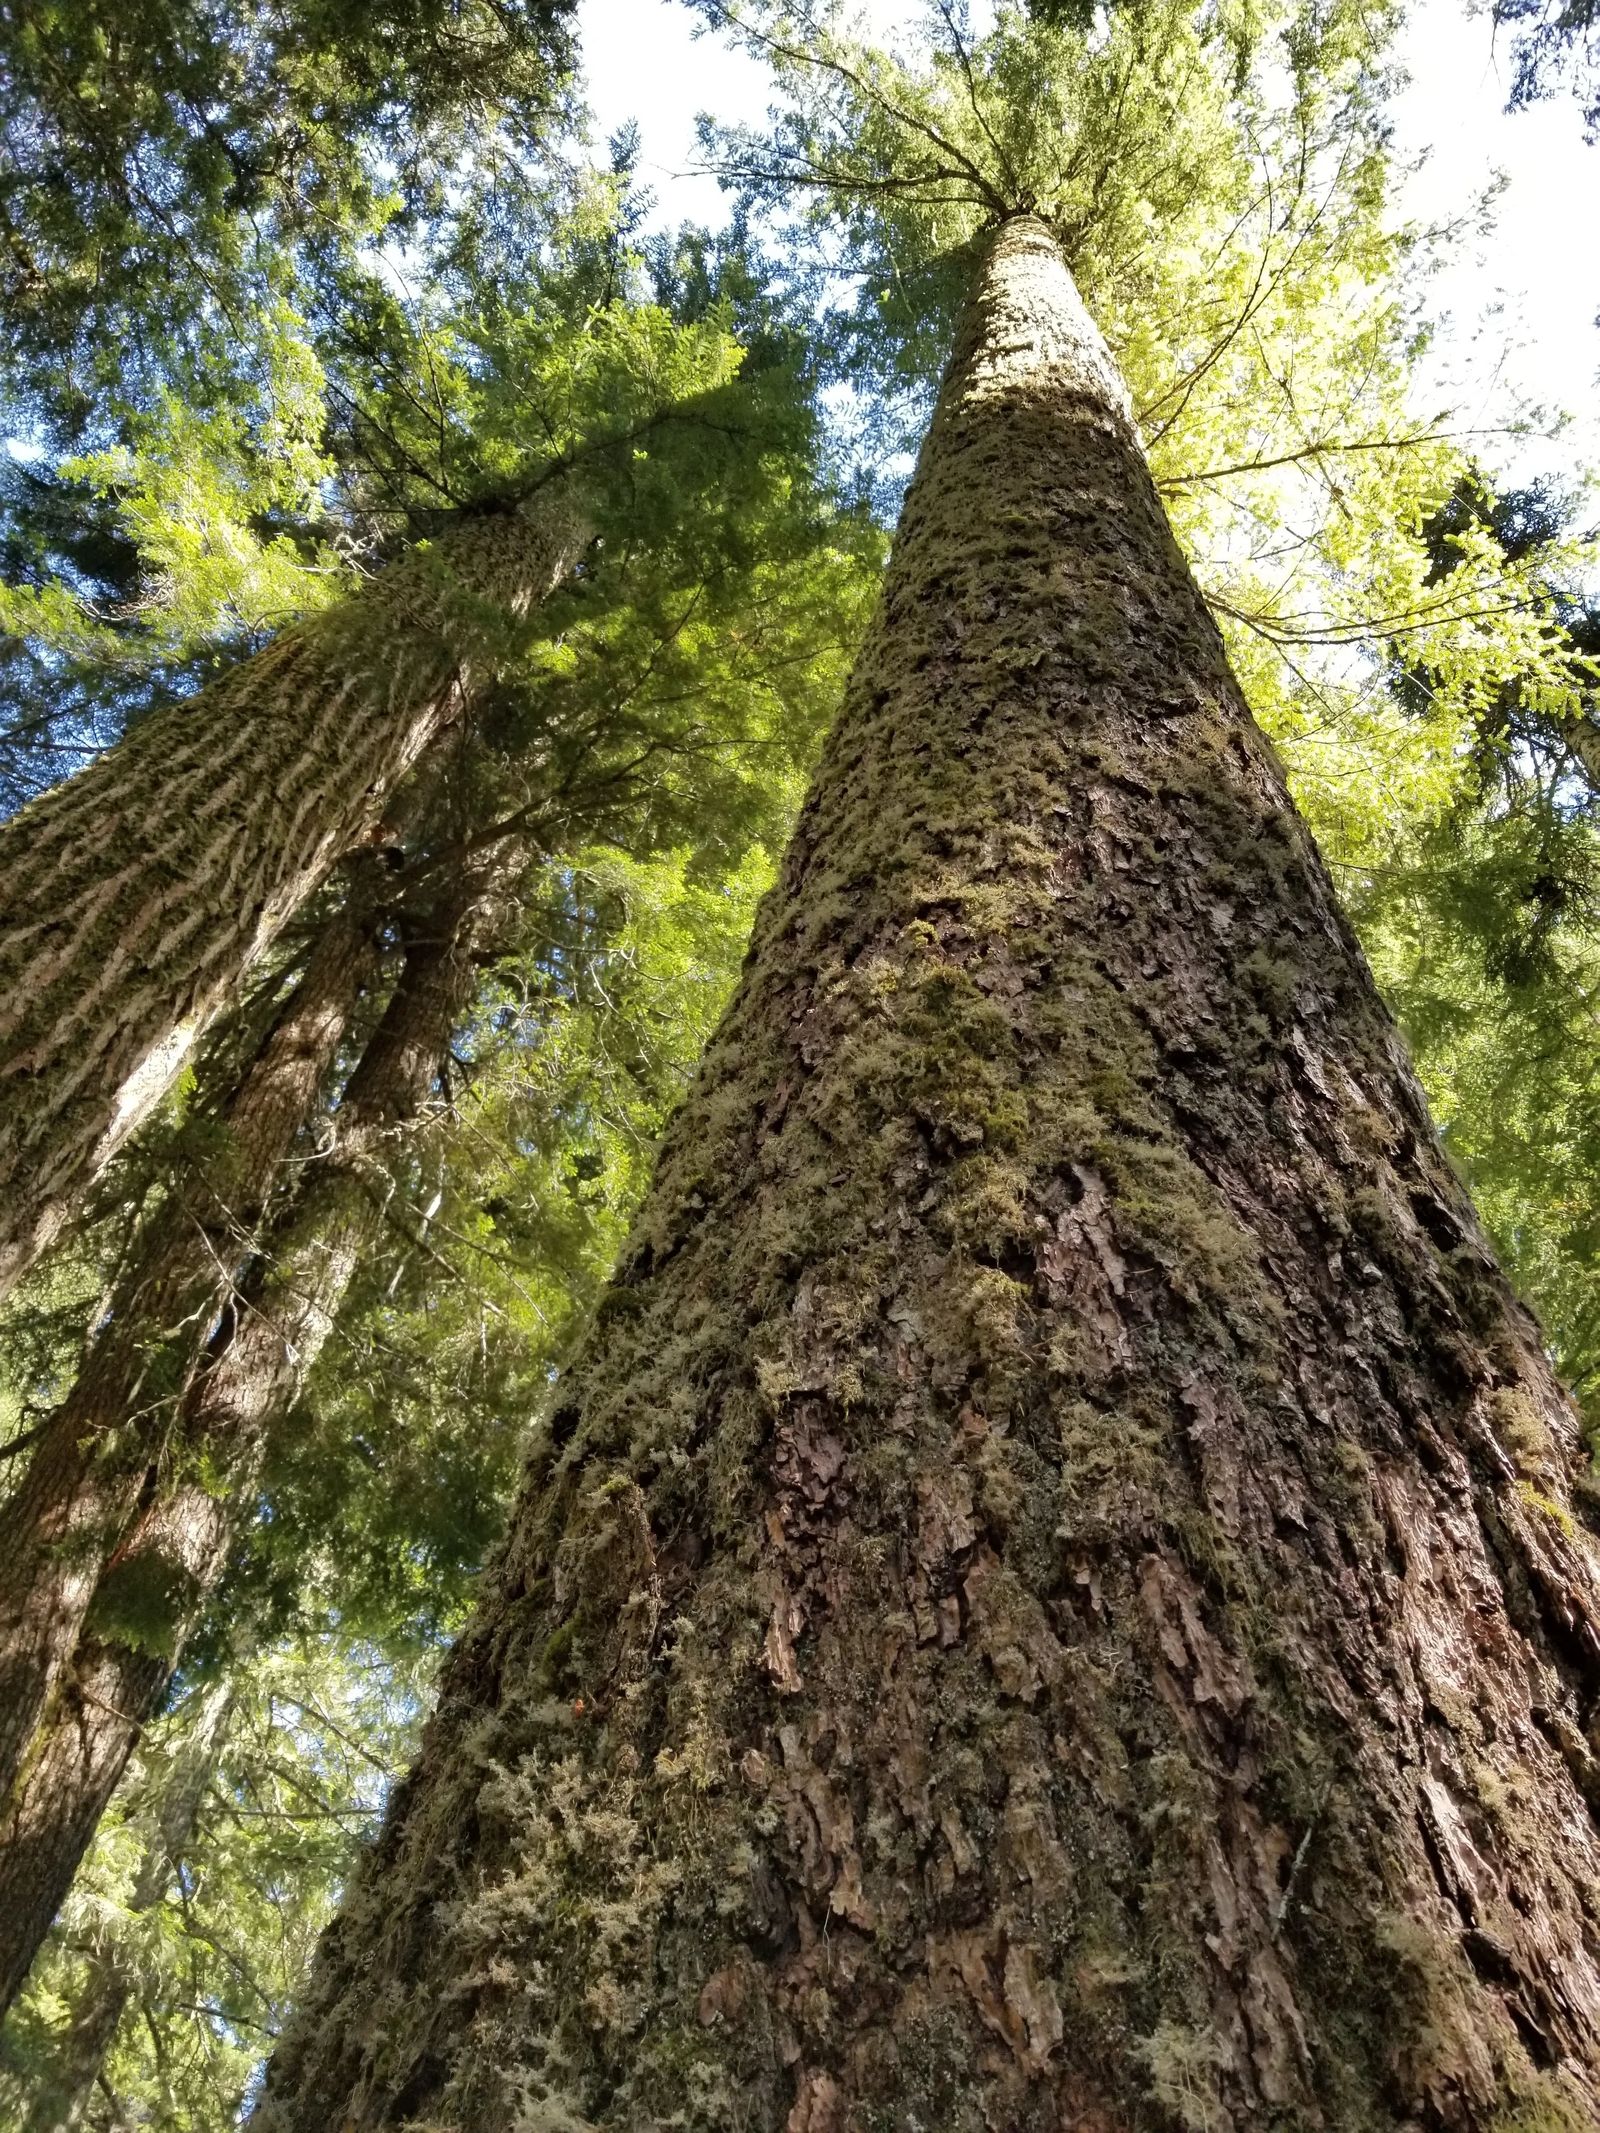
[1481,918]
[294,1777]
[1222,183]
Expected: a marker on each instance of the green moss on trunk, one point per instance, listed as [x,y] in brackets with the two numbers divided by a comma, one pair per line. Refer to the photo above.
[1022,1617]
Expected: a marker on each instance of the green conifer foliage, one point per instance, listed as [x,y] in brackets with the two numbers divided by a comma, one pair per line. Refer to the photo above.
[1481,920]
[235,148]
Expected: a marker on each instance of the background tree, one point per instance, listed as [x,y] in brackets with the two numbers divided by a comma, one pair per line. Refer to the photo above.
[208,1968]
[384,1488]
[64,2097]
[260,155]
[137,895]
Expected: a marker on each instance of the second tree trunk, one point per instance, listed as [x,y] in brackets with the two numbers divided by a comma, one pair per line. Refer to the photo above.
[131,1505]
[133,897]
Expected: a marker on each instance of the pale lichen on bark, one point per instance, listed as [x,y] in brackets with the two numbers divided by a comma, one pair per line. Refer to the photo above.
[1051,1597]
[134,897]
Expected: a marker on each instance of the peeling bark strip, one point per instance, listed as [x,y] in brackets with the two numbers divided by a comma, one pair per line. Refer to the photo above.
[134,897]
[137,1525]
[1050,1600]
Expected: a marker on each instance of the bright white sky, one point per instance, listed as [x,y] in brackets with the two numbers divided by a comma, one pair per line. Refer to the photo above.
[1528,291]
[1523,296]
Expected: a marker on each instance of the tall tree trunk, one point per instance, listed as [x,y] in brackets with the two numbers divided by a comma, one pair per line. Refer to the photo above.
[1050,1599]
[62,2099]
[150,1537]
[89,1472]
[133,897]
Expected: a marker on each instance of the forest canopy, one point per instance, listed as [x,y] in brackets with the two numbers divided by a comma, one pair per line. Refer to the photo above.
[443,573]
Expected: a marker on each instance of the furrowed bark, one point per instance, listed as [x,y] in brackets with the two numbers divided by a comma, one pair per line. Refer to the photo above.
[88,1473]
[96,1475]
[159,1539]
[133,898]
[1051,1598]
[62,2100]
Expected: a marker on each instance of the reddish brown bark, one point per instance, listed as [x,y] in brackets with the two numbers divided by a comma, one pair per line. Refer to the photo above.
[1051,1599]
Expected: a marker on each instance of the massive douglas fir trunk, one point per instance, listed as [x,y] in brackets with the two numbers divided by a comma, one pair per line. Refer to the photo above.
[135,1530]
[1050,1599]
[133,897]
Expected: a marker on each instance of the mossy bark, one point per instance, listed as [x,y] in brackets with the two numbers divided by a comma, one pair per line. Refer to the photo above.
[133,897]
[111,1580]
[1052,1597]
